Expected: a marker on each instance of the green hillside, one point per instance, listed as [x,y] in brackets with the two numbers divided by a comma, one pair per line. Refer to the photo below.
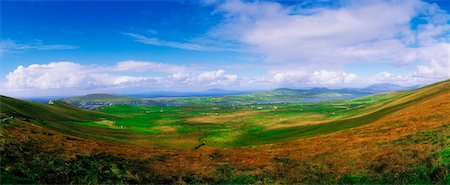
[389,138]
[219,125]
[100,98]
[60,117]
[281,94]
[58,111]
[381,110]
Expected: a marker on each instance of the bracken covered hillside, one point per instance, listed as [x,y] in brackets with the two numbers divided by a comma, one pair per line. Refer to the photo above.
[408,142]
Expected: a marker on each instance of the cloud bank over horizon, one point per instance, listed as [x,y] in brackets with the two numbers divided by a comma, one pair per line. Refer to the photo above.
[340,44]
[74,78]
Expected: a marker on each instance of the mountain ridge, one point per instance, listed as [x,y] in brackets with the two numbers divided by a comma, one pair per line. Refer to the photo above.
[93,101]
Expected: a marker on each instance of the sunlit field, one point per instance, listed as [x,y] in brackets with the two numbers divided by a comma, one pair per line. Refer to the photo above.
[233,125]
[227,92]
[399,137]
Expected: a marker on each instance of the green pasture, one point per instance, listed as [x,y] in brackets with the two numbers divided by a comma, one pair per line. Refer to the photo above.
[241,125]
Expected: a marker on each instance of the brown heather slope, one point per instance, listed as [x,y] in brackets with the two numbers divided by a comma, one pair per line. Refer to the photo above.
[399,143]
[407,146]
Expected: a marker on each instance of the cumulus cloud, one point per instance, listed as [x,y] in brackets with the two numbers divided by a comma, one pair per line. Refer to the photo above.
[64,75]
[435,70]
[385,77]
[310,45]
[136,81]
[70,77]
[323,77]
[284,33]
[402,32]
[289,76]
[58,78]
[218,76]
[436,67]
[205,78]
[302,78]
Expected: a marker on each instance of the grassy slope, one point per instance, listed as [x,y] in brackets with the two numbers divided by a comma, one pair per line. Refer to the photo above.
[60,116]
[406,99]
[408,146]
[59,111]
[245,126]
[233,128]
[223,129]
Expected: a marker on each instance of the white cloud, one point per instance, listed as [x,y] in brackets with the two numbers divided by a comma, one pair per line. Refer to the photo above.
[10,46]
[323,77]
[206,78]
[438,68]
[69,78]
[136,81]
[285,33]
[158,42]
[302,78]
[219,74]
[69,75]
[62,75]
[142,66]
[403,32]
[353,32]
[385,77]
[289,76]
[408,79]
[195,44]
[310,44]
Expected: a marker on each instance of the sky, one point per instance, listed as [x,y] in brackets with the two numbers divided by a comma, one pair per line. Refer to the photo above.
[63,48]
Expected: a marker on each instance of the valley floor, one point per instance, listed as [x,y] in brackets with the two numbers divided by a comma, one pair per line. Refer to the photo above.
[397,138]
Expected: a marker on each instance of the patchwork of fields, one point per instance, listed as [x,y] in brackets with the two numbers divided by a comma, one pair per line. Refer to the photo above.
[232,125]
[391,138]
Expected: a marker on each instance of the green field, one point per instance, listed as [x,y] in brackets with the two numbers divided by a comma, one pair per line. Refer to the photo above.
[220,125]
[217,125]
[389,138]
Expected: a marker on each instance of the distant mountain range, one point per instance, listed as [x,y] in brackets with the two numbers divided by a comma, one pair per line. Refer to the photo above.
[387,87]
[322,92]
[93,101]
[99,98]
[377,88]
[209,92]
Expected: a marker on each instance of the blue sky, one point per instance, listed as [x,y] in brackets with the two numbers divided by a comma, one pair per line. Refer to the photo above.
[75,47]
